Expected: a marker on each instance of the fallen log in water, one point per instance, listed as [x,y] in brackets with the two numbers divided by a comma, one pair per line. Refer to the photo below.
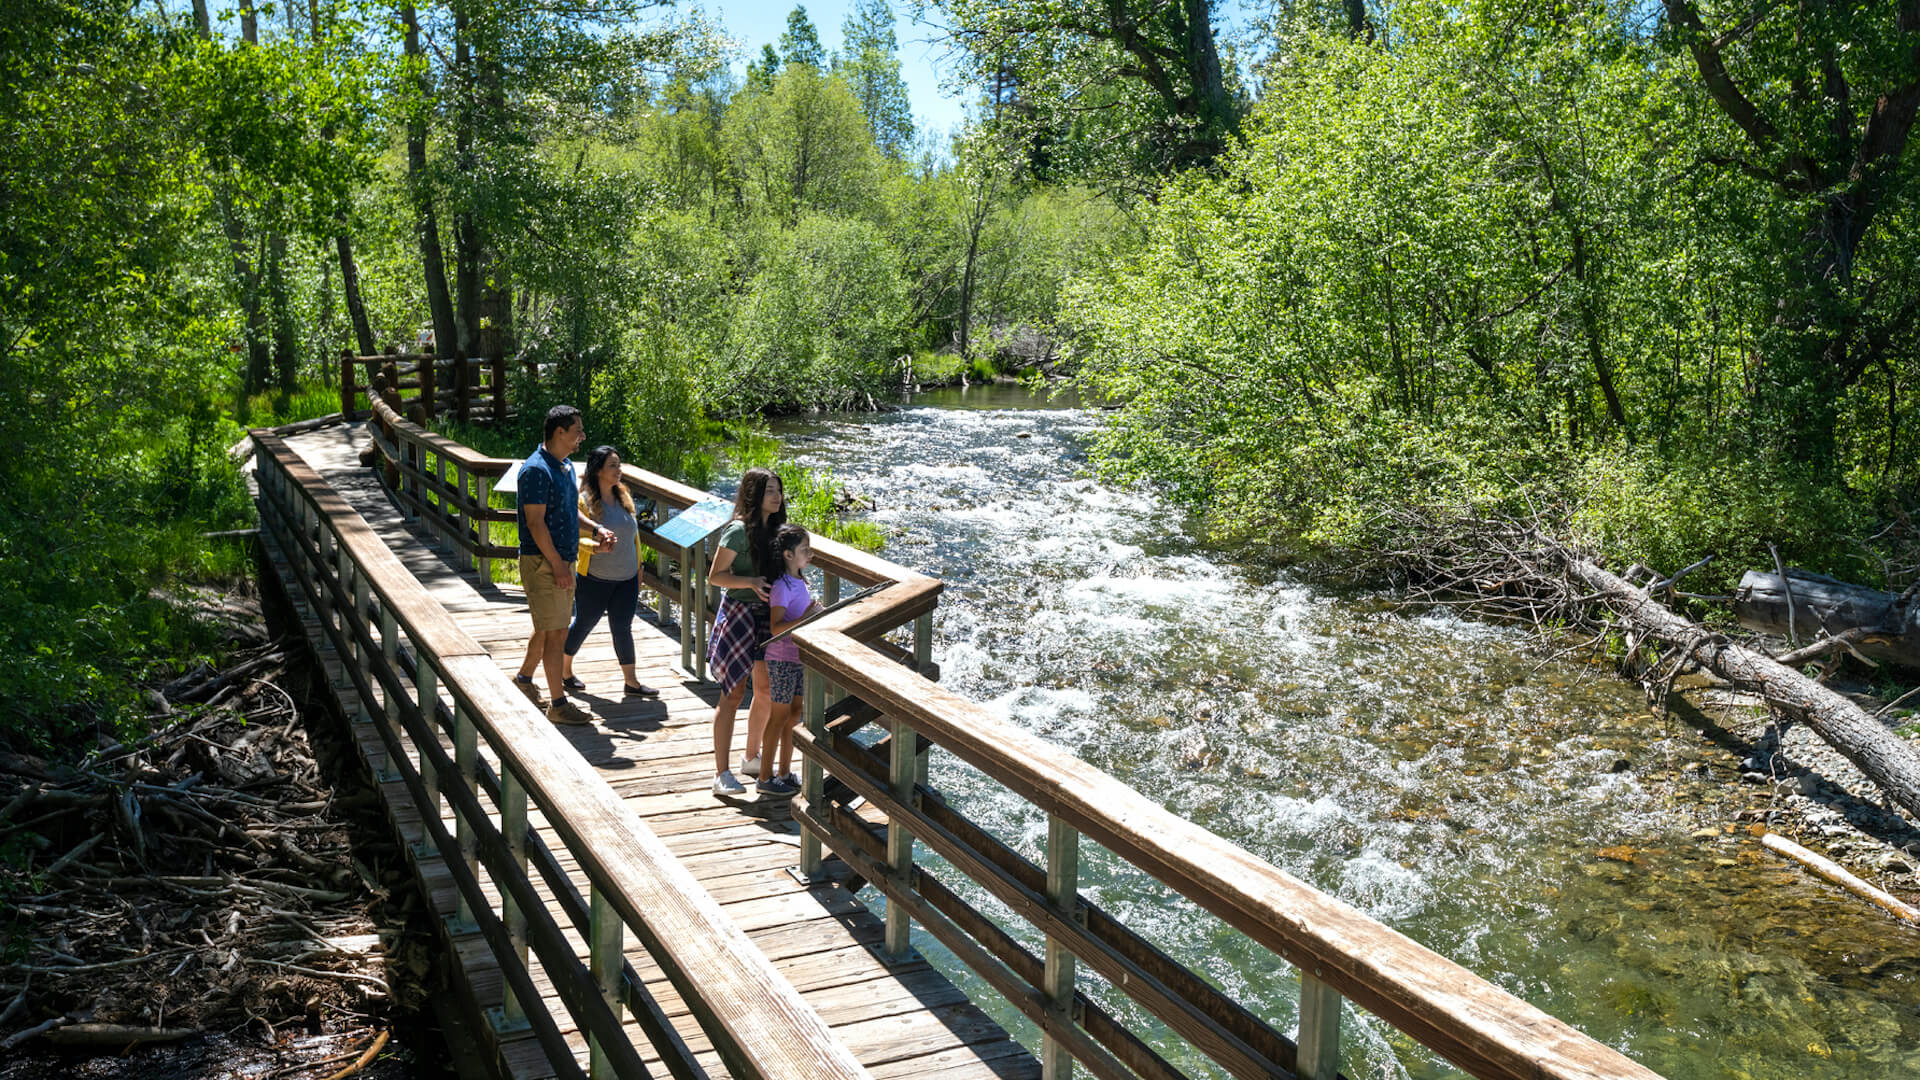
[1880,626]
[1835,873]
[1884,757]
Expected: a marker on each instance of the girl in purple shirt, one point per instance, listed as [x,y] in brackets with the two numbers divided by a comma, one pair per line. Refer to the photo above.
[789,602]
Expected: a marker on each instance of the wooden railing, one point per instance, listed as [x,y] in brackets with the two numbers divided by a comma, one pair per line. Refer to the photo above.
[456,730]
[856,677]
[474,388]
[1338,952]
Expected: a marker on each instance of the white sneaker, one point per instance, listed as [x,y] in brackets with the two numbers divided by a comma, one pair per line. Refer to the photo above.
[725,784]
[750,766]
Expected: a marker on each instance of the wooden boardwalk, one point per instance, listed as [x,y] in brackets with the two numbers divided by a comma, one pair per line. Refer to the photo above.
[901,1019]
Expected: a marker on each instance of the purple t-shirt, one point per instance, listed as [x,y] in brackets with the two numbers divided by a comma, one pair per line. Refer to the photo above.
[790,598]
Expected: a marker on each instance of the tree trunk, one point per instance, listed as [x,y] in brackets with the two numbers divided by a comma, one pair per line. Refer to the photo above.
[342,242]
[350,288]
[1884,757]
[286,346]
[466,231]
[1888,625]
[427,227]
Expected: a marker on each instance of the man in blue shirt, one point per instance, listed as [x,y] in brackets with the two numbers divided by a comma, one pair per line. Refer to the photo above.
[549,520]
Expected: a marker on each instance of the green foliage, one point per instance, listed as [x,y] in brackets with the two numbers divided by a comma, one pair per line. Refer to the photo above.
[272,408]
[817,320]
[802,147]
[813,498]
[1480,271]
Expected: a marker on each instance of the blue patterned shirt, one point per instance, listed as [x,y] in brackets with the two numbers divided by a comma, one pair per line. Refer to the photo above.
[547,481]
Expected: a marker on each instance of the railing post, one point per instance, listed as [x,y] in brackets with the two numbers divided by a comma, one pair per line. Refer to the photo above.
[345,570]
[923,643]
[461,498]
[466,759]
[323,540]
[1319,1037]
[362,609]
[703,605]
[424,681]
[1063,891]
[811,775]
[660,566]
[605,958]
[829,596]
[687,629]
[483,498]
[902,772]
[513,826]
[922,663]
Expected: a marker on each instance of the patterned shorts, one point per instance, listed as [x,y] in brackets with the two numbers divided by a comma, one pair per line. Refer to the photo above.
[783,678]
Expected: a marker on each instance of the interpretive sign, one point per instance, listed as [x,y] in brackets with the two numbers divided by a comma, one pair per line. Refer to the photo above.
[696,522]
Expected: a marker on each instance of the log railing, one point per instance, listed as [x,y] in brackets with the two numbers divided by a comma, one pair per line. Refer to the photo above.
[459,737]
[855,677]
[473,388]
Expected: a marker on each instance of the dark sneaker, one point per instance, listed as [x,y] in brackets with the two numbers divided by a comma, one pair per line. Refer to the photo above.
[776,786]
[573,684]
[642,691]
[531,692]
[566,712]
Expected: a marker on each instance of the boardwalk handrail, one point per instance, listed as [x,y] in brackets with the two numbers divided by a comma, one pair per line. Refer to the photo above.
[855,677]
[440,383]
[444,701]
[1339,951]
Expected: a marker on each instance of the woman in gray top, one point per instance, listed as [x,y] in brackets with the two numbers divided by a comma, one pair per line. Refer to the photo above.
[611,584]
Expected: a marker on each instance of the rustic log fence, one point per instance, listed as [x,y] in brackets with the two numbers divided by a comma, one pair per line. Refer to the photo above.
[468,389]
[857,677]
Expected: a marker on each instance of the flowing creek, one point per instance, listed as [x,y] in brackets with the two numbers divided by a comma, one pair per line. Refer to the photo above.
[1430,771]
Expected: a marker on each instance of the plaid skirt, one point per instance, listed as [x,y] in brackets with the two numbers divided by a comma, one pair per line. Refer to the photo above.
[740,633]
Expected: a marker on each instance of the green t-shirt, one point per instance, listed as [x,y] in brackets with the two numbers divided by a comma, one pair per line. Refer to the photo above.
[735,536]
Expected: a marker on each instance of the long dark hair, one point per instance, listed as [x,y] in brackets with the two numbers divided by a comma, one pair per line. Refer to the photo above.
[786,539]
[597,461]
[746,507]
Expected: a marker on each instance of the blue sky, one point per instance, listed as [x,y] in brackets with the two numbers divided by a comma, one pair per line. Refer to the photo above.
[924,59]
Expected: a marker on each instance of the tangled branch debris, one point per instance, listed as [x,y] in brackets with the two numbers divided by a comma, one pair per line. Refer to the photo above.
[198,879]
[1518,570]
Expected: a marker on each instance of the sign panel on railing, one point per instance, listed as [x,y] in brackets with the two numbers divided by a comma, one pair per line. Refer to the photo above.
[696,522]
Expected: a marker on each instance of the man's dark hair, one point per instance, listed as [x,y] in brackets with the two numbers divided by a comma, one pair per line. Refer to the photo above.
[560,416]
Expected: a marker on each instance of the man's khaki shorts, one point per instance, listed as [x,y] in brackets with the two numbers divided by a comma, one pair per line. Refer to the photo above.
[551,608]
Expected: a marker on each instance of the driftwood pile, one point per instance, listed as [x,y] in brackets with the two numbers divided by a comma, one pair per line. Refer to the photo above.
[199,879]
[1518,570]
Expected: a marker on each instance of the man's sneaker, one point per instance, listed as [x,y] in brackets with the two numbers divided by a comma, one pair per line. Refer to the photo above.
[526,686]
[566,712]
[725,784]
[778,785]
[750,766]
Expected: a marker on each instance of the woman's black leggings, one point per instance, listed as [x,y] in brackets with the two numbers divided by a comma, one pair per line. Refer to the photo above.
[617,600]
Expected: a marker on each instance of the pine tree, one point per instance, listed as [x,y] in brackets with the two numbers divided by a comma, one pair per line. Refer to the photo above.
[801,43]
[870,63]
[760,76]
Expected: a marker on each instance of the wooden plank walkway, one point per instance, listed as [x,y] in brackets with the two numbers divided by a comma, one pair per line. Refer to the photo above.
[904,1019]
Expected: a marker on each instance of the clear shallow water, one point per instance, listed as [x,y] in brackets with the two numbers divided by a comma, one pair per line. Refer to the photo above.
[1427,770]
